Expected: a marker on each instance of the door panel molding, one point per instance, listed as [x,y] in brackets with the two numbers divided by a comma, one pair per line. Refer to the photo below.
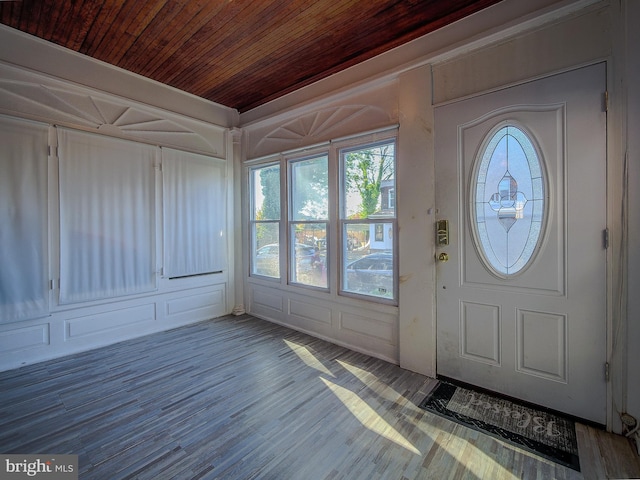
[551,315]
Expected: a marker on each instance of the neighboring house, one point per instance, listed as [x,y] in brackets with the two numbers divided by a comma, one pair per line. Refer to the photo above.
[381,233]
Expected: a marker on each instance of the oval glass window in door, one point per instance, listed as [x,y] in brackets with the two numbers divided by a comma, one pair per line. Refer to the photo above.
[508,201]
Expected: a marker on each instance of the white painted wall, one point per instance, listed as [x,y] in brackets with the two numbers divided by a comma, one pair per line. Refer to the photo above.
[511,42]
[504,45]
[415,194]
[43,82]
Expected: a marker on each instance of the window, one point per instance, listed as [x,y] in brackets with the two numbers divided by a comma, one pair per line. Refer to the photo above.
[194,205]
[367,221]
[361,224]
[391,198]
[309,216]
[107,217]
[265,220]
[23,215]
[509,206]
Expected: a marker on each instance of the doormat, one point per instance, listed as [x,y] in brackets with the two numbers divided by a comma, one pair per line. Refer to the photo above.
[546,434]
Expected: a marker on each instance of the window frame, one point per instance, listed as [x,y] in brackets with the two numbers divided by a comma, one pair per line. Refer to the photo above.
[290,162]
[335,241]
[253,222]
[356,144]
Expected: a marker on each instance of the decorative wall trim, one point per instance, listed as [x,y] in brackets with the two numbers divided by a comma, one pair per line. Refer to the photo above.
[39,97]
[367,328]
[14,340]
[79,329]
[316,126]
[99,323]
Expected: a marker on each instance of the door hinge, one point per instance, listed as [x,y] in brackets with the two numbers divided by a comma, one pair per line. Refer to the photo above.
[605,238]
[606,101]
[606,371]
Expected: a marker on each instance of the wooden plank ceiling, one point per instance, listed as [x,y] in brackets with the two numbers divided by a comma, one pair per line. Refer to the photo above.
[238,53]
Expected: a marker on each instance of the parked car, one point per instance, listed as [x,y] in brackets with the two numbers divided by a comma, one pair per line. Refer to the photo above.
[267,259]
[371,275]
[307,256]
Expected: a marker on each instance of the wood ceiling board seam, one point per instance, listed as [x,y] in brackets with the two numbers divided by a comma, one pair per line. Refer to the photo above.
[134,28]
[184,34]
[432,26]
[101,27]
[355,58]
[25,19]
[194,46]
[52,25]
[8,13]
[77,36]
[216,60]
[71,20]
[45,12]
[257,55]
[147,45]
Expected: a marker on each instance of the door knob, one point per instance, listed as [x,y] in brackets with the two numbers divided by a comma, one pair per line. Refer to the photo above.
[443,257]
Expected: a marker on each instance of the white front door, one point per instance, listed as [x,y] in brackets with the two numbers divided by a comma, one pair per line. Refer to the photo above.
[521,285]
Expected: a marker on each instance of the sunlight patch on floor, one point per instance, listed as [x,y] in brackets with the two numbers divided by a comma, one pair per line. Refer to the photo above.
[381,388]
[308,358]
[473,459]
[368,417]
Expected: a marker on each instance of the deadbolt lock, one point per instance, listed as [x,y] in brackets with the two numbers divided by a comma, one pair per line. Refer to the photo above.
[442,233]
[443,257]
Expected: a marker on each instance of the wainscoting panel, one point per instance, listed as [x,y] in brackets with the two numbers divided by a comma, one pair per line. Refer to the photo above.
[367,326]
[268,301]
[99,323]
[309,311]
[361,326]
[15,338]
[196,305]
[86,327]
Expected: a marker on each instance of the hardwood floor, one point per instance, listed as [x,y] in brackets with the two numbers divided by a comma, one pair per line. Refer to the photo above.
[241,398]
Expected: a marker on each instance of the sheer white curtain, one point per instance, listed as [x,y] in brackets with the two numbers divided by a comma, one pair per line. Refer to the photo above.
[23,220]
[107,217]
[195,213]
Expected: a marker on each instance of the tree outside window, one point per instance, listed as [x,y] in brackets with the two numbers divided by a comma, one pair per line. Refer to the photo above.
[368,220]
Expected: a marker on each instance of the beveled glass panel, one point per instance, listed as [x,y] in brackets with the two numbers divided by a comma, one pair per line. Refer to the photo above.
[509,194]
